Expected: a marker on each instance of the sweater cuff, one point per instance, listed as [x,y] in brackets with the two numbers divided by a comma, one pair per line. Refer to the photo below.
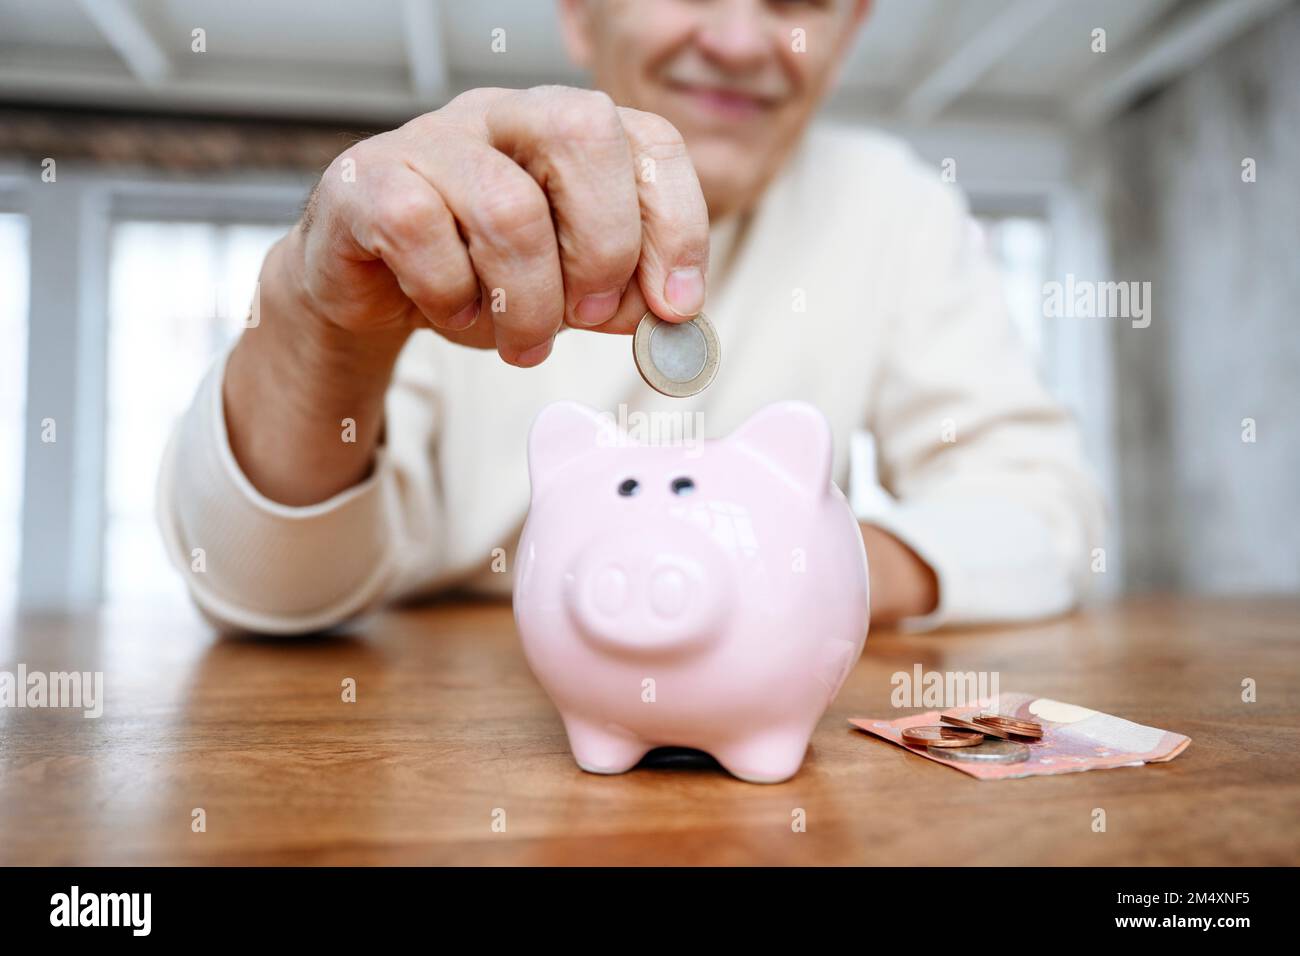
[993,558]
[253,564]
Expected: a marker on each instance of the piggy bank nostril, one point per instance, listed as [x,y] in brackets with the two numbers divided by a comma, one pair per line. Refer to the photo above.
[609,590]
[668,592]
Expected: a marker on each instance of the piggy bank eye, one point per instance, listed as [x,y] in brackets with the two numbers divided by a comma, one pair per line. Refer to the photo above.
[629,487]
[682,486]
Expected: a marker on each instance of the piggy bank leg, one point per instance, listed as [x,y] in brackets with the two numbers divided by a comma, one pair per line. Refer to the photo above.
[768,756]
[599,749]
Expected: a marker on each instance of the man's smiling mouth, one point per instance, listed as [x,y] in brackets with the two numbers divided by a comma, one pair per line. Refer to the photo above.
[724,103]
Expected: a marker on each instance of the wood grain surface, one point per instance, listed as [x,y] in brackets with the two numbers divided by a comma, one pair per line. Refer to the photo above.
[449,728]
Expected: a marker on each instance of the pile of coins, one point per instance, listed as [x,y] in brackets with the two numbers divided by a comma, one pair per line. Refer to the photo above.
[983,738]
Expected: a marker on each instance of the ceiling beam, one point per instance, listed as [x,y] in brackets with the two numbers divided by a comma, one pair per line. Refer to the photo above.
[327,93]
[962,68]
[1185,41]
[426,54]
[126,32]
[297,93]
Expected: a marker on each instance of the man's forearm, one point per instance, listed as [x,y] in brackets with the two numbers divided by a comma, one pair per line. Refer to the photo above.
[304,398]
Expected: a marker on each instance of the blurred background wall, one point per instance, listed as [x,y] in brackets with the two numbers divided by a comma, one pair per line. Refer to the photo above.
[152,150]
[1203,506]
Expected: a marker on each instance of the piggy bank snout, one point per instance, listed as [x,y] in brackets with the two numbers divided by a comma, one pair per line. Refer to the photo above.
[639,593]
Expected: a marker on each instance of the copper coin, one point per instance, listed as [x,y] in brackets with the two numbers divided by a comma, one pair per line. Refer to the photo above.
[1022,722]
[965,724]
[1021,728]
[942,737]
[1007,719]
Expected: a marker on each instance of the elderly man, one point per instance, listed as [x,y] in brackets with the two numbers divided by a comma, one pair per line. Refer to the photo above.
[365,441]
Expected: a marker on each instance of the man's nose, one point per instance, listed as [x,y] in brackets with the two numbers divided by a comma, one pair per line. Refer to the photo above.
[736,33]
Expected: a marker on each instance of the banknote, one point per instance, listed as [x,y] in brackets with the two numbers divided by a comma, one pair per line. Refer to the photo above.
[1074,738]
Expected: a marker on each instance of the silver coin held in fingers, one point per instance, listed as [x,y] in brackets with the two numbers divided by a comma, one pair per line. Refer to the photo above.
[678,359]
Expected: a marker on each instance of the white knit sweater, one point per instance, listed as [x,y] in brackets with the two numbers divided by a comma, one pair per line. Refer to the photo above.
[855,285]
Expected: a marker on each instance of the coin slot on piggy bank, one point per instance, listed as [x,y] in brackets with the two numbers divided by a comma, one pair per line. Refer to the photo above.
[710,595]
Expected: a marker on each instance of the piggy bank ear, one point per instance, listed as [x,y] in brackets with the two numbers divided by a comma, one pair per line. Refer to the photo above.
[795,439]
[562,432]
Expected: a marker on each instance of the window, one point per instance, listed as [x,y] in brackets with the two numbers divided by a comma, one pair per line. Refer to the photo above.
[13,394]
[178,294]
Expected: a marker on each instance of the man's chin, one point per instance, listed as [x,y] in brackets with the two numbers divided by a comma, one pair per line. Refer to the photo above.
[729,175]
[726,195]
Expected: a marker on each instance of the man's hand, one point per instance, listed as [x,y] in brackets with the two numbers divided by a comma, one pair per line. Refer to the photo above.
[506,215]
[902,585]
[497,220]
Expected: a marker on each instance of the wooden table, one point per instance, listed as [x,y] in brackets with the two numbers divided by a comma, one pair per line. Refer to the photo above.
[449,728]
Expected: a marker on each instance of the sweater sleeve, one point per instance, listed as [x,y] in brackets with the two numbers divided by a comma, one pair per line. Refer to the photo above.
[252,564]
[984,470]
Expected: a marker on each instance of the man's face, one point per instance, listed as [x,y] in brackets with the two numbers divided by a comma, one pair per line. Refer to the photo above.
[739,78]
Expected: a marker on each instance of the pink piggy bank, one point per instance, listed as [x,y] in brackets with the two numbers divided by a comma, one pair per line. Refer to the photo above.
[709,595]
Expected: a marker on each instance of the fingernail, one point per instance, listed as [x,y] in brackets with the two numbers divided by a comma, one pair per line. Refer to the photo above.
[684,291]
[597,308]
[464,318]
[535,355]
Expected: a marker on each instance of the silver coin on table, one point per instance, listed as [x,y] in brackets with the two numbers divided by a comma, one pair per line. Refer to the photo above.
[678,359]
[991,751]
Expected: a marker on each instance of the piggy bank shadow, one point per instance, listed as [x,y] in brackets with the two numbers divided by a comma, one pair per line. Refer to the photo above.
[679,758]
